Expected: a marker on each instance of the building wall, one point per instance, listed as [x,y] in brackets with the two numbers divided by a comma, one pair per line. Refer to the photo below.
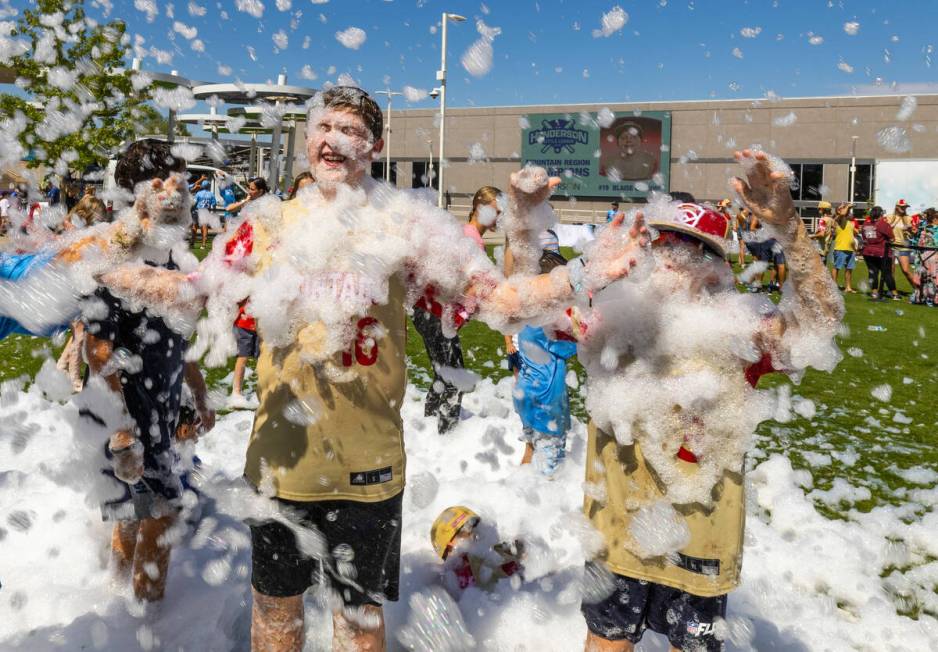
[703,137]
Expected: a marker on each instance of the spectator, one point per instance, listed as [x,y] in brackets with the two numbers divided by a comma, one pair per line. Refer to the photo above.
[613,211]
[204,202]
[257,188]
[901,223]
[824,231]
[5,206]
[927,261]
[245,327]
[53,194]
[302,180]
[877,235]
[845,232]
[745,225]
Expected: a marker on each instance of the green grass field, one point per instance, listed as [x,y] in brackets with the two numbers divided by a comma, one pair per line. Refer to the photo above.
[852,436]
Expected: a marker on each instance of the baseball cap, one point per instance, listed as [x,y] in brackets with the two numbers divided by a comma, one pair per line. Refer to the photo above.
[902,203]
[704,224]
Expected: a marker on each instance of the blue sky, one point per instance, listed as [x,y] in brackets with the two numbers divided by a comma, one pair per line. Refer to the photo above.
[547,51]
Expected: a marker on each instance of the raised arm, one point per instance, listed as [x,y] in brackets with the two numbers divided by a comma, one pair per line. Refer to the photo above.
[819,308]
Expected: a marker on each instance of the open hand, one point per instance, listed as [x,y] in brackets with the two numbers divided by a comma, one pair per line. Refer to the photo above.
[766,192]
[617,250]
[531,186]
[206,420]
[126,457]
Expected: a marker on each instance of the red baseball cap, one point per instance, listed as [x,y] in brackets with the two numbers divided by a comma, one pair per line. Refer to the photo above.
[700,222]
[902,203]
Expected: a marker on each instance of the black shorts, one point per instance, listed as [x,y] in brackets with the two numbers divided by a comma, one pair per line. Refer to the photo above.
[514,361]
[637,605]
[768,252]
[363,541]
[249,345]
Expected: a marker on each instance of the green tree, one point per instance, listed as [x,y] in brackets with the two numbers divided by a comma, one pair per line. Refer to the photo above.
[150,122]
[79,99]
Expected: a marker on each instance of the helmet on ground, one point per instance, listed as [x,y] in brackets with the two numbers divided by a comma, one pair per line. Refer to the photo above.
[448,524]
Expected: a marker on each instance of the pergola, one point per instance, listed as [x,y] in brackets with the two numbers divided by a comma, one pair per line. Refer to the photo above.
[257,102]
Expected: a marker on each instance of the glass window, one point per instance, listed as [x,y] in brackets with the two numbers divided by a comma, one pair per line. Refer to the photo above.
[420,177]
[807,181]
[377,171]
[863,183]
[812,178]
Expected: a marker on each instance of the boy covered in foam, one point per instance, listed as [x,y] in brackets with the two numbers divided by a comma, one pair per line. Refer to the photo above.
[328,276]
[673,358]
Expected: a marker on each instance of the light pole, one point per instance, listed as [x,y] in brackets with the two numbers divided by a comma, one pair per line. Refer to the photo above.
[441,77]
[387,141]
[430,169]
[853,166]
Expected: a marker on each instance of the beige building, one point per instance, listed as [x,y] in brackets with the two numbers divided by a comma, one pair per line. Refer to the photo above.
[814,135]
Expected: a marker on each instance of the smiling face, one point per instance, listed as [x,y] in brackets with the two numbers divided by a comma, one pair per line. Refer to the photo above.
[340,147]
[630,139]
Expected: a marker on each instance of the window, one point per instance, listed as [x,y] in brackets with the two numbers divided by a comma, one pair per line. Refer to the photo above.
[808,179]
[377,171]
[420,177]
[863,182]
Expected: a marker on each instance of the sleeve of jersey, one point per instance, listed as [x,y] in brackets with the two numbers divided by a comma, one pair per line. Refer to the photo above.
[240,246]
[428,303]
[759,369]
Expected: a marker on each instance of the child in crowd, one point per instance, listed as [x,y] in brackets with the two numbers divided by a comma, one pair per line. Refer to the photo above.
[458,529]
[540,394]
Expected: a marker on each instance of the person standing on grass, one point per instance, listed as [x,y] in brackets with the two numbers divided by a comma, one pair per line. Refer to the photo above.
[845,257]
[824,231]
[444,400]
[339,478]
[540,394]
[245,326]
[877,254]
[257,188]
[204,202]
[901,223]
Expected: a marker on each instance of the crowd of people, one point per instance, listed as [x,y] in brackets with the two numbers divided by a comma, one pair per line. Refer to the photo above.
[339,477]
[843,236]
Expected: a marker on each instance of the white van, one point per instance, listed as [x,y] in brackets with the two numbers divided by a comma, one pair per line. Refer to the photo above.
[212,174]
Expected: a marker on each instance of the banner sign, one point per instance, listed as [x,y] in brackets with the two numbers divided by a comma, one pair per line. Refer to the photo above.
[628,158]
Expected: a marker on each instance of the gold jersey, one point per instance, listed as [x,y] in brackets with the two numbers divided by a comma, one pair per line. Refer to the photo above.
[316,438]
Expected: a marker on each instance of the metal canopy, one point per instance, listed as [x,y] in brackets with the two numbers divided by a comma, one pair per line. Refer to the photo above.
[254,113]
[251,93]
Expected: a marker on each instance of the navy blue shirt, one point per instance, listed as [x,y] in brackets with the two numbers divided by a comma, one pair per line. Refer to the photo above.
[151,380]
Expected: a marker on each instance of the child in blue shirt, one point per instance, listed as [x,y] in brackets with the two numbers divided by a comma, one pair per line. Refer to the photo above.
[540,395]
[204,201]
